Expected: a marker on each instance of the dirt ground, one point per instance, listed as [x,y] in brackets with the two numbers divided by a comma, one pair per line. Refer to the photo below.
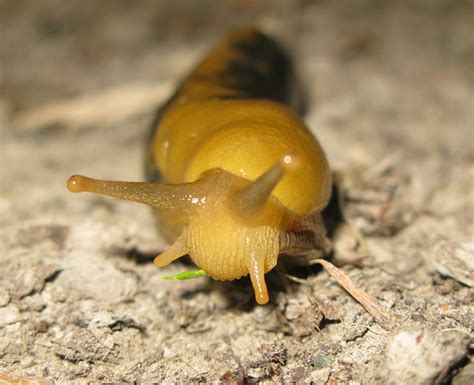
[392,103]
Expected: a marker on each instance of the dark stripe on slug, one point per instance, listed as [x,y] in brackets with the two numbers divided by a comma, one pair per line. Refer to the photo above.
[261,70]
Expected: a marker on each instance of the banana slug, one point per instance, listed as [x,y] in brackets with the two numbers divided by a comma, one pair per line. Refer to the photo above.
[234,175]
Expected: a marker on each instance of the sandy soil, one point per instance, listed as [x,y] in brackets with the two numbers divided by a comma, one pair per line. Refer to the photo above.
[392,103]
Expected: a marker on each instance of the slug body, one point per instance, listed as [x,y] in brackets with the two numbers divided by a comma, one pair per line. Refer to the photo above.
[234,175]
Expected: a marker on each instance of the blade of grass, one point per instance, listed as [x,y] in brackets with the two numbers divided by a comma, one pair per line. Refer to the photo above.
[186,275]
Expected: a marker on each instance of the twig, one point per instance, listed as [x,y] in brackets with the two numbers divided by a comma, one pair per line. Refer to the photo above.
[380,315]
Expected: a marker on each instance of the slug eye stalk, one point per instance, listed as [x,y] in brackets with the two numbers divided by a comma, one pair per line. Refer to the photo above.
[179,198]
[251,200]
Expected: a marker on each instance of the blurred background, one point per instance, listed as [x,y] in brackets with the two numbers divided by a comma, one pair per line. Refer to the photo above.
[54,49]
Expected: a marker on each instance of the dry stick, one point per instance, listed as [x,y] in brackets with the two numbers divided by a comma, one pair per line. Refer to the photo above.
[381,315]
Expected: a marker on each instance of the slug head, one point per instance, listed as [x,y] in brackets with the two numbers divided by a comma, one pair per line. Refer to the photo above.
[231,226]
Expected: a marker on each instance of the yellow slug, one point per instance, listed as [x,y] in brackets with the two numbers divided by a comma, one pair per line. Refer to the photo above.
[235,177]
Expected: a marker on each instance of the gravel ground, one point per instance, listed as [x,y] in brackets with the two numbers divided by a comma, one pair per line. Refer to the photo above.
[392,103]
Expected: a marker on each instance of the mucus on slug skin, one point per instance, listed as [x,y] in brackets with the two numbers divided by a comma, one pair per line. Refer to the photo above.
[234,176]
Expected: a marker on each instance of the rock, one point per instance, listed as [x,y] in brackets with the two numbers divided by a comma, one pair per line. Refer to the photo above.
[421,357]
